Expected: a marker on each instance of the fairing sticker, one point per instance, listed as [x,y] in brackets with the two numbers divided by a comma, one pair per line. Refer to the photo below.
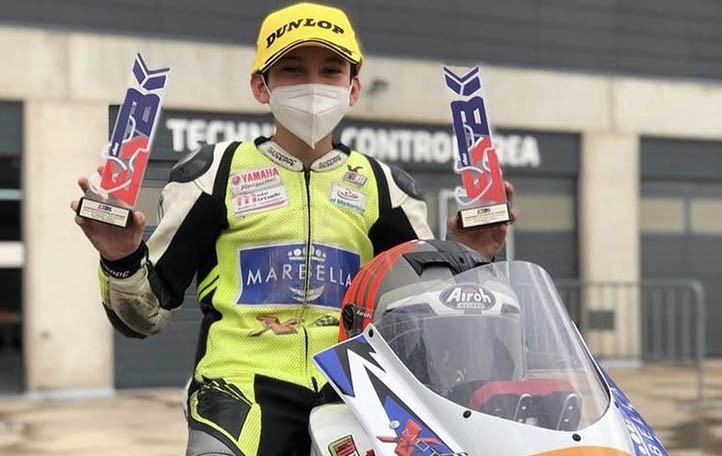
[412,436]
[644,441]
[345,446]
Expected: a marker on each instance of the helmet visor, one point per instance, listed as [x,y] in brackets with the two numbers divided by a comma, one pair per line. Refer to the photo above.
[446,352]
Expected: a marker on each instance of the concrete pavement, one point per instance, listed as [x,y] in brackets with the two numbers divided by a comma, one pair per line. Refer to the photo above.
[151,423]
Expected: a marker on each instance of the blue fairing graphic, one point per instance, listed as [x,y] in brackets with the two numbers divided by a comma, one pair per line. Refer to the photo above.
[330,364]
[334,362]
[644,441]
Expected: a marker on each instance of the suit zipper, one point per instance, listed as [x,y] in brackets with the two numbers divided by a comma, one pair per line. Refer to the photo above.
[307,281]
[309,247]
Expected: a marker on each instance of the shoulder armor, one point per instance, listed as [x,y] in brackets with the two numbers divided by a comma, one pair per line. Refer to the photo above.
[193,165]
[406,183]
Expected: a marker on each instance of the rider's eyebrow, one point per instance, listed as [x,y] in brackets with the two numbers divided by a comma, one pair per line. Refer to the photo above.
[297,59]
[335,59]
[287,58]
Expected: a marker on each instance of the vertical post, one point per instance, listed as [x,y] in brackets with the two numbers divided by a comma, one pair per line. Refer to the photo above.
[609,196]
[701,328]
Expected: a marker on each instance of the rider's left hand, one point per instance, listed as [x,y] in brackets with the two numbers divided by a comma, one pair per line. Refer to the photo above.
[487,241]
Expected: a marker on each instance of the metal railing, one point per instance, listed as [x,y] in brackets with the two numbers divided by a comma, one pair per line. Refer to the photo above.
[655,320]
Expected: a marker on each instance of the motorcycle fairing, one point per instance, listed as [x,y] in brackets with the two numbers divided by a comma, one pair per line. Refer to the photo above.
[360,376]
[404,412]
[403,418]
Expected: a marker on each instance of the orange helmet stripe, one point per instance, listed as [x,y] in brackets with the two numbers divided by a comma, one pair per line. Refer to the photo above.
[378,275]
[362,291]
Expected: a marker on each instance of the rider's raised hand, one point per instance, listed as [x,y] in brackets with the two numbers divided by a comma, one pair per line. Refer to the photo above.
[488,241]
[112,242]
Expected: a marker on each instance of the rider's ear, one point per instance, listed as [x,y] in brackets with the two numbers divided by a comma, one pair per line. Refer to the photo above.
[259,88]
[355,90]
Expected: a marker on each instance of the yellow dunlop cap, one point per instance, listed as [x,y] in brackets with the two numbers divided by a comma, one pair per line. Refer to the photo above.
[303,24]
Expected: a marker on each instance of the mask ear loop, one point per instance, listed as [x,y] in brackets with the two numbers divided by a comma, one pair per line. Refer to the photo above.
[270,94]
[268,89]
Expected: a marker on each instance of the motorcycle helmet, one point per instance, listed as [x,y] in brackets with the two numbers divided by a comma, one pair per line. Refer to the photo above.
[399,272]
[442,313]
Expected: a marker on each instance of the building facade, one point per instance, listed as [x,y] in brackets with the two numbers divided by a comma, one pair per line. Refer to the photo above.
[608,120]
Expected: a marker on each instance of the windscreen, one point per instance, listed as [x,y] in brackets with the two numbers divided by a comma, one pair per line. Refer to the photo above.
[497,339]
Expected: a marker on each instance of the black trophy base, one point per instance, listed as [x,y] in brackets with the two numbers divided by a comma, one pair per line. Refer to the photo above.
[105,213]
[484,216]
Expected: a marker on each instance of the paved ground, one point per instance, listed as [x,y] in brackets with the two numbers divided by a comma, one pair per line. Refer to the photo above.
[150,422]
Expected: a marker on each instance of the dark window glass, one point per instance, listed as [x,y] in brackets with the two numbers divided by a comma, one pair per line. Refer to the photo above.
[9,220]
[11,376]
[9,171]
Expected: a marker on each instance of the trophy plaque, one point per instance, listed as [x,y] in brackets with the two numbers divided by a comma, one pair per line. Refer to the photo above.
[112,195]
[481,198]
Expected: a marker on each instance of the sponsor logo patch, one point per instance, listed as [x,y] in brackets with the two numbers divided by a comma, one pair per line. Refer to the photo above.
[259,201]
[254,179]
[331,160]
[348,199]
[281,157]
[353,177]
[345,446]
[278,274]
[277,327]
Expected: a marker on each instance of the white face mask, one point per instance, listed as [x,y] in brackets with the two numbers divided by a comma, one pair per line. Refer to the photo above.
[309,111]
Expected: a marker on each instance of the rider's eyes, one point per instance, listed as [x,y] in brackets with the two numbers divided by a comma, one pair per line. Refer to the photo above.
[291,69]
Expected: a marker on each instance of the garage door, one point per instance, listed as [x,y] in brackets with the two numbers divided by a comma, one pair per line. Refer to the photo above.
[166,358]
[11,256]
[681,219]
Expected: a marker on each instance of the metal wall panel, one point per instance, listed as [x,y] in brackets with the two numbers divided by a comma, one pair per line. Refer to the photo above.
[11,117]
[680,159]
[658,37]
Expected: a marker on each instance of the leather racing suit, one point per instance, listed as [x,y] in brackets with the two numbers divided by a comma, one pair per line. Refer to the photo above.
[272,247]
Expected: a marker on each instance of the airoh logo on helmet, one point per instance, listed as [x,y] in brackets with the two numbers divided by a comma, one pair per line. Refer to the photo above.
[468,297]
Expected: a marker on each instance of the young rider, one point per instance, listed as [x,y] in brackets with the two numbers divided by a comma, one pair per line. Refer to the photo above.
[272,230]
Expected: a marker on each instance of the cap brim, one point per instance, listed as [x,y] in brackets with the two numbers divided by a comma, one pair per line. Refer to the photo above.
[340,50]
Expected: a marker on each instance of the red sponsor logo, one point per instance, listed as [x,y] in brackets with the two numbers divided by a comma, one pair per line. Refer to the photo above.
[410,441]
[257,175]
